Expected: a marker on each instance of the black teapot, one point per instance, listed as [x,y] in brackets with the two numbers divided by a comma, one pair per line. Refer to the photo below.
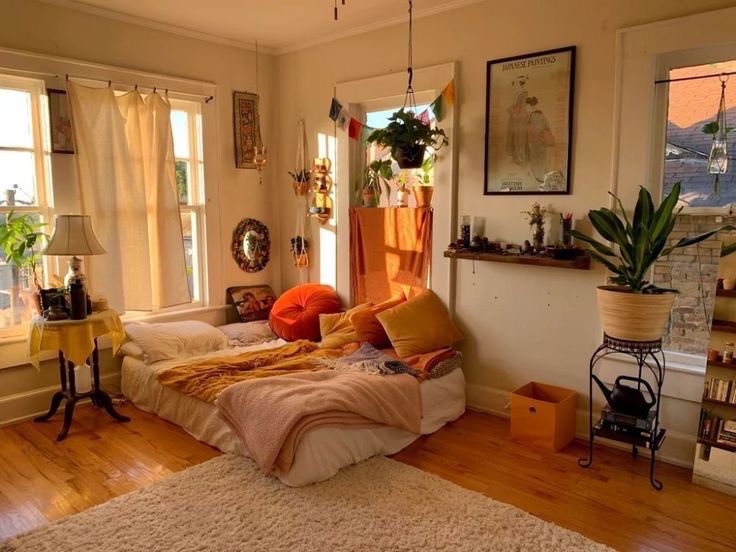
[625,399]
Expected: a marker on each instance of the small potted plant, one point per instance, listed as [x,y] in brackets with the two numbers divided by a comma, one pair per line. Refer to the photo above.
[299,247]
[403,190]
[300,181]
[633,309]
[376,173]
[423,188]
[408,138]
[20,240]
[537,215]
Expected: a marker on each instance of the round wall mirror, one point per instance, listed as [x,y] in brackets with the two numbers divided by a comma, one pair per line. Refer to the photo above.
[251,246]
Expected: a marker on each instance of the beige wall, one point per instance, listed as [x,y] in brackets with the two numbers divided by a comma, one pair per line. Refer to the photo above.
[52,30]
[521,323]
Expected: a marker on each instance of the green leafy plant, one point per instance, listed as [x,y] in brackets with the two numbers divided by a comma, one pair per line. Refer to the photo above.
[637,244]
[713,127]
[376,173]
[299,244]
[301,176]
[404,130]
[20,238]
[424,174]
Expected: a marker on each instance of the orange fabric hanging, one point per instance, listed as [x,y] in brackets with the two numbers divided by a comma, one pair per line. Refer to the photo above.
[390,251]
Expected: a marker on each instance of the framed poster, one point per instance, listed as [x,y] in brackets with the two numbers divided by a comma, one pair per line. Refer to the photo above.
[529,106]
[60,123]
[247,128]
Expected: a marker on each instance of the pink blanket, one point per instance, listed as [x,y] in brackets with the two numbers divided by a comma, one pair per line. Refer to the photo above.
[271,415]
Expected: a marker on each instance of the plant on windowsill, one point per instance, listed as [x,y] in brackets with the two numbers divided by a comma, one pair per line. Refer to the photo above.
[376,173]
[408,138]
[633,309]
[20,238]
[424,188]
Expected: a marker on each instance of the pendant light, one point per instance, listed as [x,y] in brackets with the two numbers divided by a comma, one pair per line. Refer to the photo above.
[260,152]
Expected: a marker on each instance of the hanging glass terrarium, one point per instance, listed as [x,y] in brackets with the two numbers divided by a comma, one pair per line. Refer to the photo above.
[718,158]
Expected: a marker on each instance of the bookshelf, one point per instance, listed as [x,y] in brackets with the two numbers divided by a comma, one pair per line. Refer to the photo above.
[716,444]
[720,403]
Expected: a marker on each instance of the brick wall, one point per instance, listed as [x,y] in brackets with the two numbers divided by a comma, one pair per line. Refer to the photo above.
[693,271]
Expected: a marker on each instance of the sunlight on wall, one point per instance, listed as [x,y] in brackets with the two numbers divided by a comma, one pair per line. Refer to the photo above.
[327,147]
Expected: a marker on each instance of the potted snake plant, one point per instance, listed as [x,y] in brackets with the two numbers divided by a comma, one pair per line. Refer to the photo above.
[632,308]
[408,138]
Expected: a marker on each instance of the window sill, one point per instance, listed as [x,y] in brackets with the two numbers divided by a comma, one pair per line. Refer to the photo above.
[13,348]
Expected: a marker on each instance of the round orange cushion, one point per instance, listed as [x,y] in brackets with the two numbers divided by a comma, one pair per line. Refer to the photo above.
[295,315]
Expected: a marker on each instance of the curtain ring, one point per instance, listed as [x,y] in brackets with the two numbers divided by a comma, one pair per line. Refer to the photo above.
[66,77]
[109,83]
[154,89]
[136,88]
[723,77]
[166,91]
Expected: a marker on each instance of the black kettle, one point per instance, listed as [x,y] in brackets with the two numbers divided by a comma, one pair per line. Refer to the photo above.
[625,399]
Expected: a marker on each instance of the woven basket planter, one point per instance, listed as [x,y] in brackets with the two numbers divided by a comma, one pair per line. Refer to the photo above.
[633,316]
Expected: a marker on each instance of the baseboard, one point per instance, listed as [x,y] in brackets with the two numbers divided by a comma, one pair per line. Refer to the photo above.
[678,448]
[23,406]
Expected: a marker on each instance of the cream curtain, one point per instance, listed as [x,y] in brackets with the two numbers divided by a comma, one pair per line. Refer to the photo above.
[127,183]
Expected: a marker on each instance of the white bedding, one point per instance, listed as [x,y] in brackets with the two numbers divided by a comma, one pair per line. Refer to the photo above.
[323,451]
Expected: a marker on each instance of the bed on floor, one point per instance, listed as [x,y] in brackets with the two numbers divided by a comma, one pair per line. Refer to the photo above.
[322,451]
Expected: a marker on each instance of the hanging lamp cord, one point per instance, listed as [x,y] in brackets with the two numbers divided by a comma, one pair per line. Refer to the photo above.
[409,99]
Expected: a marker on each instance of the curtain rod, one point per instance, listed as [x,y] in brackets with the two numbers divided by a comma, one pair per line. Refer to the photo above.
[67,76]
[710,76]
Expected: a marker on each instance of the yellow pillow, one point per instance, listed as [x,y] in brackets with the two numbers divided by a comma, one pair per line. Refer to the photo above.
[337,329]
[420,325]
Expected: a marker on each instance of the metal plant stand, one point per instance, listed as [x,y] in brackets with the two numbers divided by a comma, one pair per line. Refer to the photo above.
[635,432]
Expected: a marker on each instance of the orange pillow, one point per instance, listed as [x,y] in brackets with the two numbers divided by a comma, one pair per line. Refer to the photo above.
[368,328]
[419,325]
[295,315]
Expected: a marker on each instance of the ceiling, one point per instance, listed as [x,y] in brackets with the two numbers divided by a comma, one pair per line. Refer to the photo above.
[278,25]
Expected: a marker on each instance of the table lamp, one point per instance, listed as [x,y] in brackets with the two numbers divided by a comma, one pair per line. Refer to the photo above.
[73,235]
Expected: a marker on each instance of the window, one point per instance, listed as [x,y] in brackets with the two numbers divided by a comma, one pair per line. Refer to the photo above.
[692,104]
[186,124]
[24,159]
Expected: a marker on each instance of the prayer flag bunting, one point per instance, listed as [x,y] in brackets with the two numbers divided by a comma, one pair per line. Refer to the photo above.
[335,108]
[448,93]
[437,108]
[354,128]
[424,116]
[343,119]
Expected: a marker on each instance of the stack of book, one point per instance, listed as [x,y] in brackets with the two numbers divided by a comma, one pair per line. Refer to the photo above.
[717,430]
[720,390]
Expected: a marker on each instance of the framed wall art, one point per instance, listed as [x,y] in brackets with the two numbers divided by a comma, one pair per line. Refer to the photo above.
[529,113]
[247,128]
[60,122]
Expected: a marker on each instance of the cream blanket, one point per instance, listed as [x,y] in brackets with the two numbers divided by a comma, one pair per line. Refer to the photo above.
[271,415]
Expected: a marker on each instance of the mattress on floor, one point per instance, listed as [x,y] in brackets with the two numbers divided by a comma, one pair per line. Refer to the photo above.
[322,451]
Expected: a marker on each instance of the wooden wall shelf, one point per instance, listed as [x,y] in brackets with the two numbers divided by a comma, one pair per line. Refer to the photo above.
[724,326]
[720,364]
[720,292]
[716,444]
[720,403]
[580,263]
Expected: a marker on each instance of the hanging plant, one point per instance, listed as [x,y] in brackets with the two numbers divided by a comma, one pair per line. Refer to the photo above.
[299,247]
[300,181]
[408,138]
[718,158]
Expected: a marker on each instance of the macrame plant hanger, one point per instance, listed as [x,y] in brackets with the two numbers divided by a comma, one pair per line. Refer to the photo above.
[718,158]
[410,101]
[301,258]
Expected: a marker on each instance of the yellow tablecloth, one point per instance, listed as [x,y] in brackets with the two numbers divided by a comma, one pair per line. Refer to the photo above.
[75,338]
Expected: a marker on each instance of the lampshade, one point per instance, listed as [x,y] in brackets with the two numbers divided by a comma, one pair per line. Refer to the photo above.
[73,235]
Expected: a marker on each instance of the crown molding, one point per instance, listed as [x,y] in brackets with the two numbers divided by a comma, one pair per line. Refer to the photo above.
[362,29]
[81,6]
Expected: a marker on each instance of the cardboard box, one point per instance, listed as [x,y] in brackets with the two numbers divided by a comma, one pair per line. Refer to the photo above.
[543,415]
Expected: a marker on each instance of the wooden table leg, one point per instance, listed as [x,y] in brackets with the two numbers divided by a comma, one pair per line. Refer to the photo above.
[99,397]
[59,395]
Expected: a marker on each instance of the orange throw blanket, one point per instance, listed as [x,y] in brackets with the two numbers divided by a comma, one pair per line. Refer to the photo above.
[270,416]
[204,379]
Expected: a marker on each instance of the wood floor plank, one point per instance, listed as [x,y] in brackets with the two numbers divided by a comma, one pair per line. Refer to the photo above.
[42,480]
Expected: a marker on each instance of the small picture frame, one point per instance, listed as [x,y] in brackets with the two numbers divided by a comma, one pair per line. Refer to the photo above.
[60,122]
[529,123]
[246,125]
[251,302]
[54,296]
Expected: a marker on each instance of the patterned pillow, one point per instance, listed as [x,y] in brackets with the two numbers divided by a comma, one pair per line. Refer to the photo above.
[251,302]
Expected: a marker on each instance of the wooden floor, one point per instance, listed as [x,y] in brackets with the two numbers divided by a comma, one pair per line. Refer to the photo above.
[41,480]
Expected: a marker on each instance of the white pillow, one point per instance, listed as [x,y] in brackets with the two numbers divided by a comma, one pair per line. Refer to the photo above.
[131,349]
[243,334]
[176,339]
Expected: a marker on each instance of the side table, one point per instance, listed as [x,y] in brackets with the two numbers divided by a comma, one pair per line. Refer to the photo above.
[76,343]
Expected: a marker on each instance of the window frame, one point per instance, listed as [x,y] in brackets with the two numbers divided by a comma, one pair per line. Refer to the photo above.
[41,150]
[195,206]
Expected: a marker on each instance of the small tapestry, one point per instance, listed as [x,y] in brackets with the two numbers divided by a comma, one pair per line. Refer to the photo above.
[247,128]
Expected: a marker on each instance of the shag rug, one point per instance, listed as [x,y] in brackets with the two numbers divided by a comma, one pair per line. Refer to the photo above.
[227,504]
